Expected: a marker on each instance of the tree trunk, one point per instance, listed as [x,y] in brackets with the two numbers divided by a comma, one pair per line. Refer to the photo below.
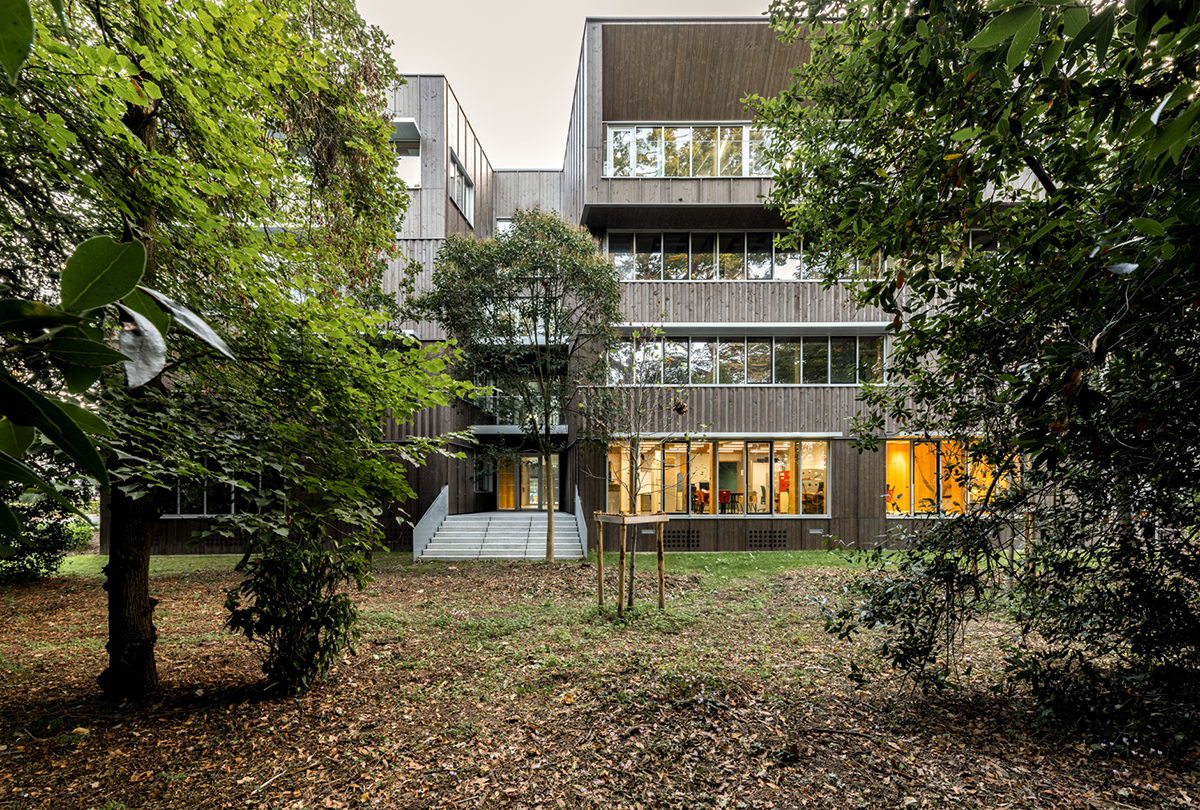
[548,474]
[131,671]
[635,479]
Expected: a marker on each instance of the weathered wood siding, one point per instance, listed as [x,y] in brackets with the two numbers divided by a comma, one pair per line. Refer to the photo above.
[692,71]
[573,181]
[528,188]
[423,98]
[741,302]
[460,137]
[420,254]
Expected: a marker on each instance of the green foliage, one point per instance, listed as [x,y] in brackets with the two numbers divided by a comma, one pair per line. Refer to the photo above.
[533,311]
[50,532]
[1030,170]
[293,605]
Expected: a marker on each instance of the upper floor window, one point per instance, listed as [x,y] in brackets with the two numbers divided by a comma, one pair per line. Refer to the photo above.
[685,150]
[461,189]
[723,256]
[748,360]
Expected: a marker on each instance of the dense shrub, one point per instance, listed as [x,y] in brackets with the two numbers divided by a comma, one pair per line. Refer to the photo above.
[49,533]
[292,603]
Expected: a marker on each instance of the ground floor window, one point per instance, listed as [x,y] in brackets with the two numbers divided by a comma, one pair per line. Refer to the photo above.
[932,476]
[723,477]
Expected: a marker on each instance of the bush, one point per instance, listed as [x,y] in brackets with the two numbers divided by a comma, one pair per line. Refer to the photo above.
[49,533]
[291,604]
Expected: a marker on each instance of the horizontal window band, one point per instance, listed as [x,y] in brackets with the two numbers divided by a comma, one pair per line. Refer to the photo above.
[780,329]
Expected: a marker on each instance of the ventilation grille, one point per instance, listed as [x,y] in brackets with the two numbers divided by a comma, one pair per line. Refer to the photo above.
[397,537]
[768,539]
[681,539]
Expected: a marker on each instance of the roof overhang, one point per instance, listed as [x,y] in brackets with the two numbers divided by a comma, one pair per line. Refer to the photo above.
[682,217]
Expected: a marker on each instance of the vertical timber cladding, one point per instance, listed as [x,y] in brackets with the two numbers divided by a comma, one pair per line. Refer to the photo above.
[460,137]
[692,71]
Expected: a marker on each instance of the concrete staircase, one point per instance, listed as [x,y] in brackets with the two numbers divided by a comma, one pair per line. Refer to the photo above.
[503,536]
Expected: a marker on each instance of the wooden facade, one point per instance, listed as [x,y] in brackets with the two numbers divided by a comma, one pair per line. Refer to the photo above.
[654,72]
[659,72]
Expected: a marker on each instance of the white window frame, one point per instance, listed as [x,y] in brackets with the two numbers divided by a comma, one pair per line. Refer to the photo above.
[631,129]
[461,189]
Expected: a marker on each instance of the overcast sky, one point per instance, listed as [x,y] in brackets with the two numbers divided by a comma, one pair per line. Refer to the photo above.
[512,65]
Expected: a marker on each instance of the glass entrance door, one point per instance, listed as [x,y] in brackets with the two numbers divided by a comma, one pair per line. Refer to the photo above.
[531,483]
[523,488]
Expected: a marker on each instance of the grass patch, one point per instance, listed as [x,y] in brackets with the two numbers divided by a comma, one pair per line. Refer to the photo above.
[92,565]
[722,566]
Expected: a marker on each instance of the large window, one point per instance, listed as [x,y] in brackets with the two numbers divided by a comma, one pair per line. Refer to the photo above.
[934,476]
[752,360]
[686,150]
[724,256]
[724,477]
[199,499]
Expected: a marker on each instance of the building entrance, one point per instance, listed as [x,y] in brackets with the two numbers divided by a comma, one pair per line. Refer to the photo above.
[522,486]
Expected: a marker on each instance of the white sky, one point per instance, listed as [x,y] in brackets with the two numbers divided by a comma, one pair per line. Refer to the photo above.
[512,64]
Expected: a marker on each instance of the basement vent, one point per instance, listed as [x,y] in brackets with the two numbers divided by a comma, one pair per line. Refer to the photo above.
[768,539]
[681,539]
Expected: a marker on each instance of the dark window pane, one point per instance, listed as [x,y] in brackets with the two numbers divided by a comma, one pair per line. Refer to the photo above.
[731,151]
[704,248]
[649,151]
[620,363]
[677,151]
[675,255]
[870,359]
[704,361]
[704,151]
[816,361]
[732,248]
[787,361]
[647,361]
[841,359]
[620,252]
[649,256]
[758,361]
[733,361]
[758,255]
[622,141]
[675,361]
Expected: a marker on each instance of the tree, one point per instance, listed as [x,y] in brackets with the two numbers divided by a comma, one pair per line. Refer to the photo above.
[1030,171]
[634,404]
[533,311]
[245,145]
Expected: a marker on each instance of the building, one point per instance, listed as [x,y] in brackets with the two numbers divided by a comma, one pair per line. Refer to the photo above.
[664,167]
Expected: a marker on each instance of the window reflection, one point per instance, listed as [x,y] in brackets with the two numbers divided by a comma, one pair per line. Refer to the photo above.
[732,355]
[704,262]
[675,361]
[732,255]
[816,361]
[758,361]
[675,256]
[704,361]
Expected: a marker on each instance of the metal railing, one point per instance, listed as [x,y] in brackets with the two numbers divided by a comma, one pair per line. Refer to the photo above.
[430,522]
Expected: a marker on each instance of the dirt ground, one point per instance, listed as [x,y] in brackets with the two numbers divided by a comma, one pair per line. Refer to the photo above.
[500,685]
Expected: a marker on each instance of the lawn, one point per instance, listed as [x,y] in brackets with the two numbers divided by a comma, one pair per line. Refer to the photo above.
[501,685]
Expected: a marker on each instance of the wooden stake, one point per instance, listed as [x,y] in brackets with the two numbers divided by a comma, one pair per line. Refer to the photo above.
[621,575]
[600,561]
[662,573]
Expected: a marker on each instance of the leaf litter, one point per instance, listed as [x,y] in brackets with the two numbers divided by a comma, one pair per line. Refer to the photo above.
[501,685]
